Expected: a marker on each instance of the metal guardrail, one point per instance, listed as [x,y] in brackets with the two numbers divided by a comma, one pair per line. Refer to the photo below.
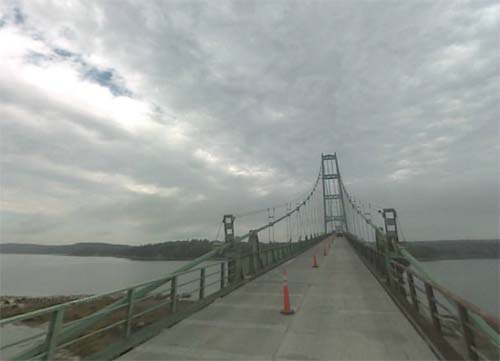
[455,328]
[106,325]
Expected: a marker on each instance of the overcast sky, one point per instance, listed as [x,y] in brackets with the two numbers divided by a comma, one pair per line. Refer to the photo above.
[146,121]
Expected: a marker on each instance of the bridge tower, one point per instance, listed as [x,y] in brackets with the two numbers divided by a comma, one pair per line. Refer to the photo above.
[228,221]
[333,200]
[391,227]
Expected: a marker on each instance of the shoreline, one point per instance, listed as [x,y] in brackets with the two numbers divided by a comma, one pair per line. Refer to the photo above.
[147,312]
[11,305]
[433,259]
[423,259]
[109,256]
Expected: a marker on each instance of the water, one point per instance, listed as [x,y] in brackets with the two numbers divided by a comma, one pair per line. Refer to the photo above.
[475,280]
[48,275]
[45,275]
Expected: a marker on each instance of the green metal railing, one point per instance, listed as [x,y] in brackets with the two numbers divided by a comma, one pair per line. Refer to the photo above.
[106,325]
[455,328]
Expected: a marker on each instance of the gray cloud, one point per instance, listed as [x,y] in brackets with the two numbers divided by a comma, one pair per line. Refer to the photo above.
[242,98]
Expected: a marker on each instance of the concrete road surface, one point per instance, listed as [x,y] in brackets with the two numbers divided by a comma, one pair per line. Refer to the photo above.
[341,313]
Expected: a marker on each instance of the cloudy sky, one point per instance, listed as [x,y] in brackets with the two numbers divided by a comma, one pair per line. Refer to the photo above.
[145,121]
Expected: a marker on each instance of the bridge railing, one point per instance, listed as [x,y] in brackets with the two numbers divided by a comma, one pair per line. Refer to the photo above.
[451,316]
[271,255]
[82,325]
[106,325]
[456,328]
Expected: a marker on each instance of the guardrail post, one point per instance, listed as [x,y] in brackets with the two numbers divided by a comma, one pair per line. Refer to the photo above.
[202,284]
[53,333]
[235,264]
[251,264]
[130,310]
[242,271]
[401,281]
[467,332]
[232,269]
[391,275]
[381,264]
[173,294]
[429,292]
[222,275]
[377,262]
[256,260]
[387,262]
[234,259]
[413,291]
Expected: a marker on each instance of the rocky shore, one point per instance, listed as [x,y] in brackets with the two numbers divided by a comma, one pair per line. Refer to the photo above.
[14,305]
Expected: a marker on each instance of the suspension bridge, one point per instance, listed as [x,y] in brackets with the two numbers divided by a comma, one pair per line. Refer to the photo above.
[319,278]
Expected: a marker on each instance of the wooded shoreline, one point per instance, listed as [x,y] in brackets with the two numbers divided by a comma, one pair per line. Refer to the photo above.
[454,249]
[188,250]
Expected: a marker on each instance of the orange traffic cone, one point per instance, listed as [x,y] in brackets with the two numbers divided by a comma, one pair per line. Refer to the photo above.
[315,262]
[287,310]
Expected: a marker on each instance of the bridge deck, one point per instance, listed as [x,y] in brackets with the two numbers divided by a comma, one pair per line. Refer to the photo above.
[341,313]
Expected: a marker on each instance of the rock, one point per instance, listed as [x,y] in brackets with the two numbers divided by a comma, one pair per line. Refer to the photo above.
[65,355]
[160,296]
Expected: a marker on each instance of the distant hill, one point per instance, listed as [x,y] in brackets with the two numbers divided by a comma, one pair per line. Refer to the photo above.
[177,250]
[87,249]
[189,249]
[454,249]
